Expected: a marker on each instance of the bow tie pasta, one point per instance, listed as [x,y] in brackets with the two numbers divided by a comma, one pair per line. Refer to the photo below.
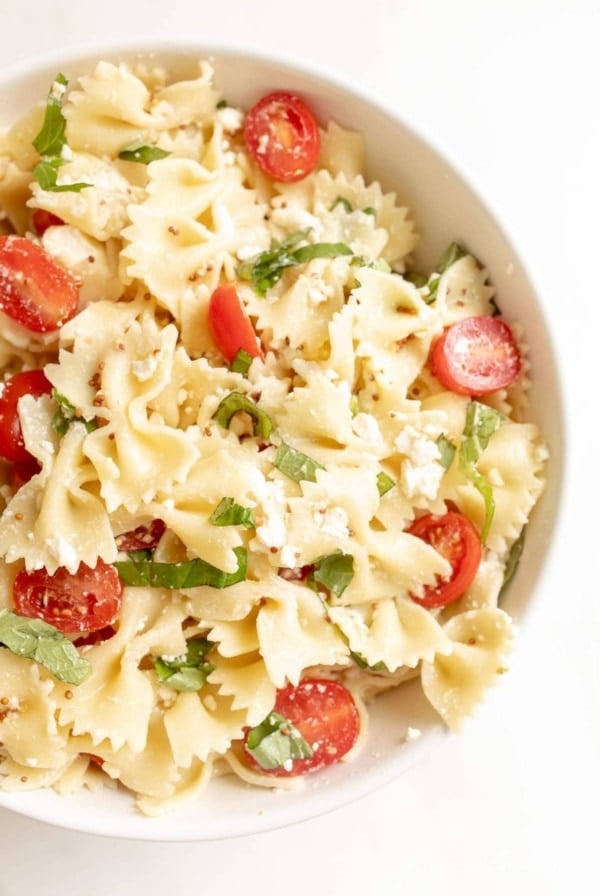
[254,468]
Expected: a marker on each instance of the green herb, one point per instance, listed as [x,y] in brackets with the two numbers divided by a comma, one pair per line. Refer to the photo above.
[235,402]
[334,572]
[228,513]
[66,415]
[296,465]
[384,483]
[222,104]
[39,641]
[188,672]
[275,743]
[241,363]
[142,152]
[369,210]
[481,423]
[416,278]
[51,140]
[512,562]
[341,200]
[379,264]
[139,570]
[453,253]
[363,664]
[266,269]
[447,451]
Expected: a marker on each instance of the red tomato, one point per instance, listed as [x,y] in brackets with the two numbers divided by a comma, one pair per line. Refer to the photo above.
[457,540]
[142,538]
[229,324]
[476,355]
[85,601]
[34,289]
[325,714]
[28,382]
[42,220]
[97,637]
[282,136]
[22,472]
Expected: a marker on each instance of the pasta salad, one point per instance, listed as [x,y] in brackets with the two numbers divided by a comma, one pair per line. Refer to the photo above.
[256,468]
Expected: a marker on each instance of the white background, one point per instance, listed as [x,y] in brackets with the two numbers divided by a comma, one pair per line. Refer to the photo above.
[511,91]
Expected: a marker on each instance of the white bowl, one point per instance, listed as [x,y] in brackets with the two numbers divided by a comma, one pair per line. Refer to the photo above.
[446,208]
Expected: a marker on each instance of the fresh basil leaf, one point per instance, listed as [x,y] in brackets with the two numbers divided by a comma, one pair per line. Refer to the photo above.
[139,570]
[363,664]
[341,200]
[384,483]
[66,415]
[295,464]
[453,253]
[37,640]
[235,402]
[512,562]
[334,572]
[416,278]
[447,451]
[266,269]
[188,672]
[276,743]
[369,210]
[241,363]
[481,423]
[50,141]
[142,152]
[229,513]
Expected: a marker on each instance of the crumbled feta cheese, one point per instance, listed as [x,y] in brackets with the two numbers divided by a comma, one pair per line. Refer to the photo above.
[332,521]
[421,479]
[231,118]
[63,552]
[144,368]
[366,427]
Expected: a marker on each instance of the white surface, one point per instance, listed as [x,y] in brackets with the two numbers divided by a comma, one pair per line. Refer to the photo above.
[510,89]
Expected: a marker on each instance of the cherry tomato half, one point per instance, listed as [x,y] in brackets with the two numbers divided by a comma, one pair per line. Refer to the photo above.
[282,136]
[229,324]
[28,382]
[85,601]
[457,540]
[142,538]
[476,355]
[325,714]
[34,289]
[42,220]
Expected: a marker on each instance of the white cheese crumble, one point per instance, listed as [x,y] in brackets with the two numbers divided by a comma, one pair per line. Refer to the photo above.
[332,521]
[144,368]
[63,552]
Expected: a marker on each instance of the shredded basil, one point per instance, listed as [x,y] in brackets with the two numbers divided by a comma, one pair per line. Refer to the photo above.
[188,672]
[512,561]
[241,363]
[341,200]
[447,451]
[37,640]
[51,140]
[266,269]
[334,572]
[295,464]
[228,513]
[65,415]
[276,743]
[453,253]
[142,152]
[481,423]
[363,664]
[139,569]
[235,402]
[369,210]
[384,483]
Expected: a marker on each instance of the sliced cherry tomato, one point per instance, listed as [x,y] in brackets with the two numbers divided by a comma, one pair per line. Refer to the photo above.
[142,538]
[325,714]
[34,289]
[42,220]
[476,355]
[282,136]
[229,324]
[85,601]
[457,540]
[22,472]
[97,637]
[28,382]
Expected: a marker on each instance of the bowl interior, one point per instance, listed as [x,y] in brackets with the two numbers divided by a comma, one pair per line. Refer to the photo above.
[446,208]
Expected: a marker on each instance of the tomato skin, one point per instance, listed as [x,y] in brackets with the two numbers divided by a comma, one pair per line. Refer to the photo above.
[28,382]
[325,714]
[476,355]
[42,220]
[142,538]
[229,324]
[85,601]
[457,540]
[282,136]
[35,290]
[22,472]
